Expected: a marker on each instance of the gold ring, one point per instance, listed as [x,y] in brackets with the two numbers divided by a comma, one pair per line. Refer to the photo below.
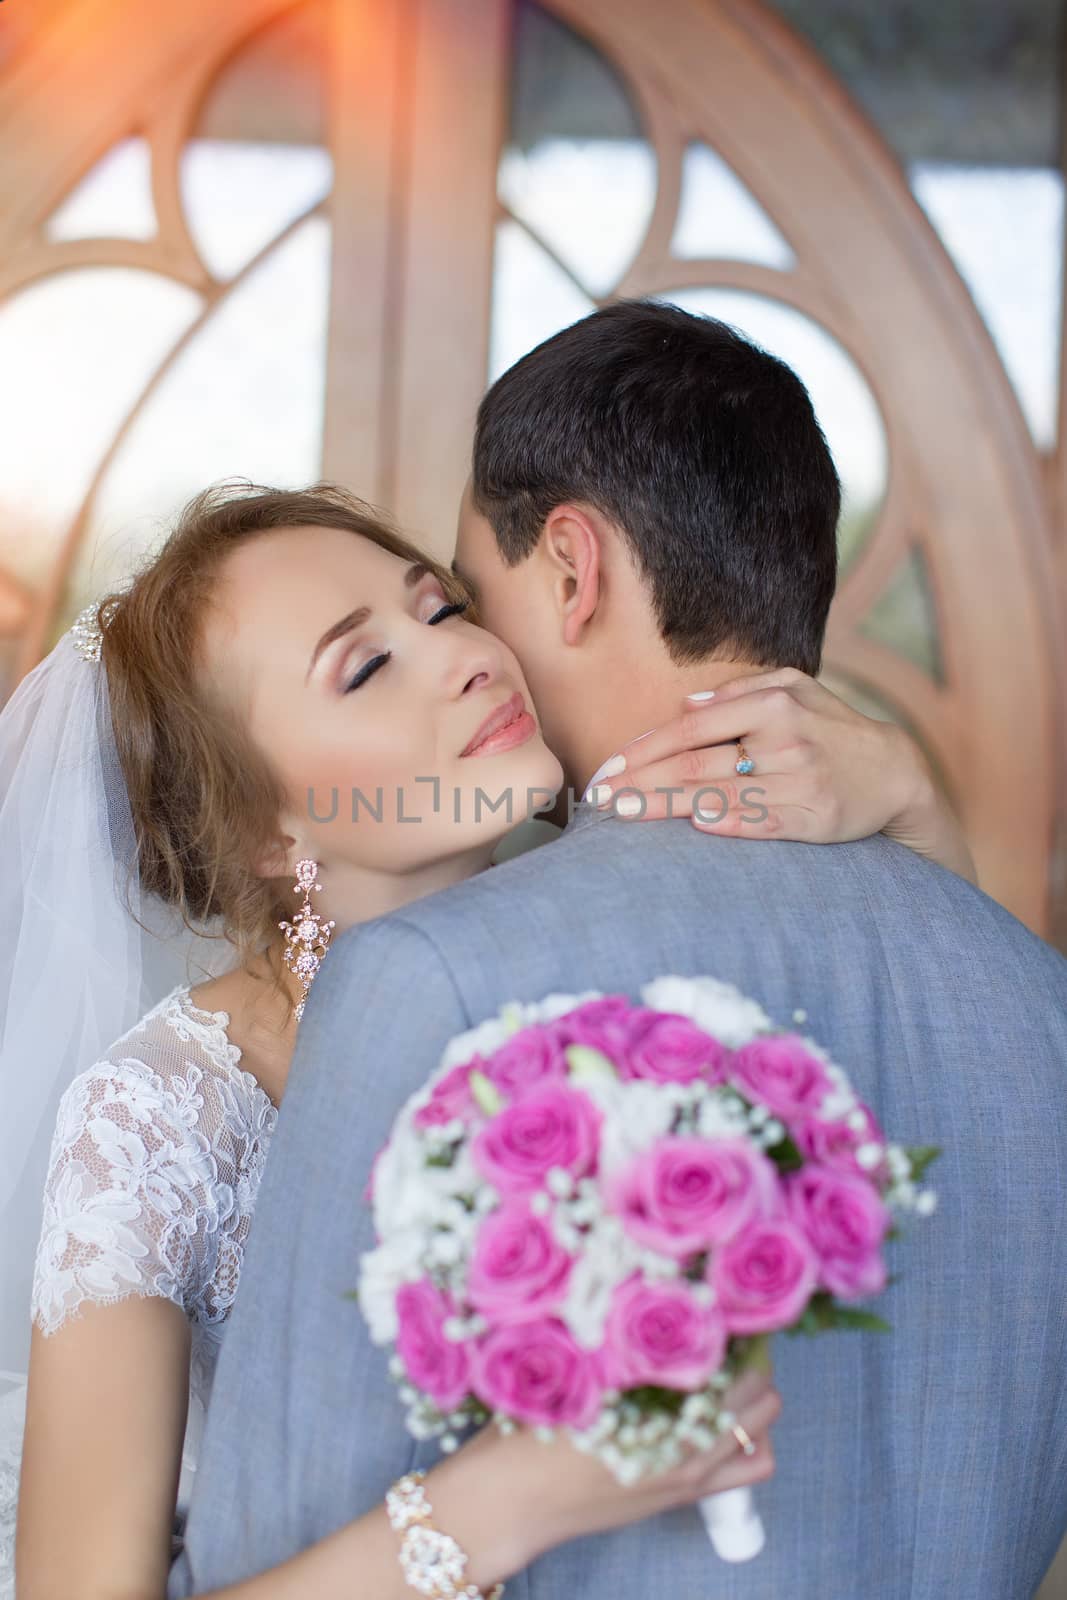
[744,1439]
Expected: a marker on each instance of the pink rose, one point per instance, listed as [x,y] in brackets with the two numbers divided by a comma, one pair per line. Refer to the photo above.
[846,1221]
[436,1365]
[519,1269]
[764,1278]
[603,1025]
[687,1194]
[450,1098]
[670,1049]
[528,1059]
[781,1072]
[834,1144]
[660,1333]
[553,1126]
[534,1372]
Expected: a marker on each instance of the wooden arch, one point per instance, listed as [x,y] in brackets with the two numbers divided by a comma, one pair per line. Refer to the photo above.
[964,475]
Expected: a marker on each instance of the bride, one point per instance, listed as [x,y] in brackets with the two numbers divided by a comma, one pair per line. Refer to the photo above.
[171,774]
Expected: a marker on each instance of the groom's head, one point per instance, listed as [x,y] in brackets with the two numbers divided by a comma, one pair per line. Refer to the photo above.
[649,491]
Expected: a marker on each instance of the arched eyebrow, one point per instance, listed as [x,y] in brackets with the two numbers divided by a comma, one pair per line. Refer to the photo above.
[355,619]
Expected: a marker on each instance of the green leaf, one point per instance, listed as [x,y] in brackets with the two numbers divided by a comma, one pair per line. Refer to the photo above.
[587,1065]
[753,1353]
[350,1294]
[786,1156]
[814,1319]
[920,1156]
[486,1094]
[650,1397]
[822,1304]
[824,1314]
[850,1317]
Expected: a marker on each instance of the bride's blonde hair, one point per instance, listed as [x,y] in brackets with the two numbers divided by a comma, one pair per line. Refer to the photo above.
[204,798]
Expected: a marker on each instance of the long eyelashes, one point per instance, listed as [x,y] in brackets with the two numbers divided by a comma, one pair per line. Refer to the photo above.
[371,667]
[368,670]
[448,611]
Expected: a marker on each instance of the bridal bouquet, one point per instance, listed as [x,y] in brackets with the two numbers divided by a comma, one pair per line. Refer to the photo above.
[595,1212]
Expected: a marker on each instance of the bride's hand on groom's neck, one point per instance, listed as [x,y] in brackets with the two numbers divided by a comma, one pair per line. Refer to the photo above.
[821,771]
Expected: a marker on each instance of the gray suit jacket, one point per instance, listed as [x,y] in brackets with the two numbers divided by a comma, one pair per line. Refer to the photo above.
[928,1462]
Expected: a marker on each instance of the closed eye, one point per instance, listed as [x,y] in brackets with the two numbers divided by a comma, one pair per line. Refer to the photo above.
[368,670]
[371,667]
[454,610]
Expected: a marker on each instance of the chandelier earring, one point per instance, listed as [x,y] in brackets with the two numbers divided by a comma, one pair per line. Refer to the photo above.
[307,939]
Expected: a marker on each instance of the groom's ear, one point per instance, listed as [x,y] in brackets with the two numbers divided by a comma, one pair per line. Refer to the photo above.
[571,545]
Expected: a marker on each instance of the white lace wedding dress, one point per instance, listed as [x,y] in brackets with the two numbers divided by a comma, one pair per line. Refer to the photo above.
[156,1158]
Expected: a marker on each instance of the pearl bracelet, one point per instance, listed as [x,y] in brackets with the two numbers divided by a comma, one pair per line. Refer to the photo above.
[432,1562]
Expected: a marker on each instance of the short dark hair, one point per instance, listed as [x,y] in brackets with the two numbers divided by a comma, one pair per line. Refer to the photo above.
[702,448]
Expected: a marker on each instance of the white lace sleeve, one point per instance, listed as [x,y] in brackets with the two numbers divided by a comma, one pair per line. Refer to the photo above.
[133,1196]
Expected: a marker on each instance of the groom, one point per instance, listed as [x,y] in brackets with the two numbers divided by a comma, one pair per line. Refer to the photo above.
[653,508]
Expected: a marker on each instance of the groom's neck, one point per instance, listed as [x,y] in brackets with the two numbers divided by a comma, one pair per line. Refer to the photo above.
[609,715]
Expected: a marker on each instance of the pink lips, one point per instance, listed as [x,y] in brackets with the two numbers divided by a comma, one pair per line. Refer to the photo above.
[503,729]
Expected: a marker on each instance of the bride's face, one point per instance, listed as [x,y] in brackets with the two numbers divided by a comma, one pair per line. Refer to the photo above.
[404,735]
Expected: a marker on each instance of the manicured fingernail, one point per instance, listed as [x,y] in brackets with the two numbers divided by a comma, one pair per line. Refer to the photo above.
[702,694]
[629,805]
[705,819]
[612,768]
[600,794]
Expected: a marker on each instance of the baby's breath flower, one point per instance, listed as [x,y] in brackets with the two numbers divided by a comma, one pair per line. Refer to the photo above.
[445,1249]
[899,1164]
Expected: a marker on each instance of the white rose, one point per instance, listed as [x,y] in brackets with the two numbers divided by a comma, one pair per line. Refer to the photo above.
[382,1272]
[608,1257]
[719,1008]
[558,1005]
[638,1115]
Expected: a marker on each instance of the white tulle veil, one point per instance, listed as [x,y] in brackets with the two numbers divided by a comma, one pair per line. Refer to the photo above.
[76,970]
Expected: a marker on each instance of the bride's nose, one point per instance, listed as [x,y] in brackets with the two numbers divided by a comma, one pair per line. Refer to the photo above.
[472,665]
